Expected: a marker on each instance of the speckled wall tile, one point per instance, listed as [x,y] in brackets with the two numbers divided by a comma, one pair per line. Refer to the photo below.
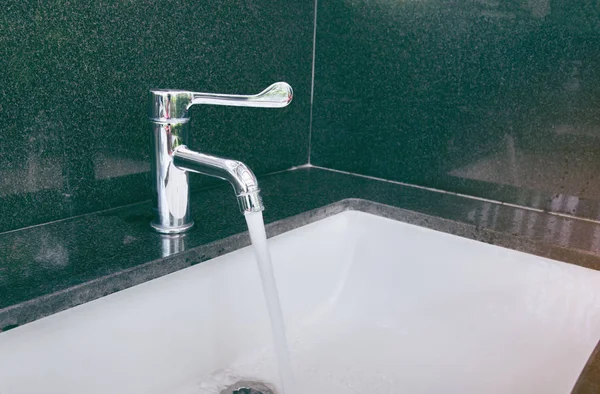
[498,99]
[74,82]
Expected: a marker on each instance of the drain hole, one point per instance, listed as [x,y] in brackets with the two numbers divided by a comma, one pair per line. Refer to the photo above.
[248,387]
[247,390]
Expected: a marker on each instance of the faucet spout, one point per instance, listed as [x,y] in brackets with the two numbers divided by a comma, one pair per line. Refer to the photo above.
[172,160]
[235,172]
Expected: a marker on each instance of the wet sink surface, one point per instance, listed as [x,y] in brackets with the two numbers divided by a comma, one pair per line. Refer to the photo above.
[372,305]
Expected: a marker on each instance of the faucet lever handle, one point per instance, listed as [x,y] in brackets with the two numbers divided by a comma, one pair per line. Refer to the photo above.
[277,95]
[167,105]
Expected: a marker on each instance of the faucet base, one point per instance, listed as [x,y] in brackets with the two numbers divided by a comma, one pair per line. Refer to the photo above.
[171,230]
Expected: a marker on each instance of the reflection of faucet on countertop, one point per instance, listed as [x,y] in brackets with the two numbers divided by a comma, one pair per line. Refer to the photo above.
[172,159]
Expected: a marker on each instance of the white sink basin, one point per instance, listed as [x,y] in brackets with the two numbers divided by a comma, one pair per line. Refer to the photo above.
[372,306]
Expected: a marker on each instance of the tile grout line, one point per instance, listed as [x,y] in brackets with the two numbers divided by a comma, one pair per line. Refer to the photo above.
[312,84]
[431,189]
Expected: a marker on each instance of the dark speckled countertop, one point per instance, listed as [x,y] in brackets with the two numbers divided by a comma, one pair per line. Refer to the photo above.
[48,268]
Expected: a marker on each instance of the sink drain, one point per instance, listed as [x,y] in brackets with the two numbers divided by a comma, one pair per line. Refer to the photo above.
[248,387]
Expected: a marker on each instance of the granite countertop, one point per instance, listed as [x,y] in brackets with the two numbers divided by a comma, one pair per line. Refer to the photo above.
[51,267]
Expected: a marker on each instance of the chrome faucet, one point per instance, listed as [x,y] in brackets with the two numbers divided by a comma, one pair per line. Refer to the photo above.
[172,159]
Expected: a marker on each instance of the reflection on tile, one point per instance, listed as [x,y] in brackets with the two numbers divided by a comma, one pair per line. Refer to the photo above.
[52,253]
[568,172]
[36,174]
[106,166]
[488,98]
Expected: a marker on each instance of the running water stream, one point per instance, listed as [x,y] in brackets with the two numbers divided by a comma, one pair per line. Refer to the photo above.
[258,236]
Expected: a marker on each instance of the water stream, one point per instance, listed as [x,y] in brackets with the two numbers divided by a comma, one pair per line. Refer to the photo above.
[258,237]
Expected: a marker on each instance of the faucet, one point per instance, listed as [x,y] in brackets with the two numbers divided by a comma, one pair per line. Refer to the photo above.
[172,160]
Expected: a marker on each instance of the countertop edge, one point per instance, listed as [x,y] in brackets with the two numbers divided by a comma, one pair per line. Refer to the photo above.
[589,379]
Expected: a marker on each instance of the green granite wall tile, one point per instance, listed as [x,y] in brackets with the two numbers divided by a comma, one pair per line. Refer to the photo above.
[74,80]
[497,99]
